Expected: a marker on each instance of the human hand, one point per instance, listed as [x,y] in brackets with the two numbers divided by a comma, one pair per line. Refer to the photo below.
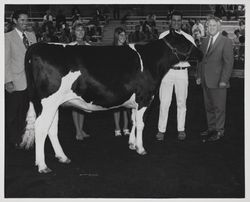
[9,87]
[222,85]
[198,81]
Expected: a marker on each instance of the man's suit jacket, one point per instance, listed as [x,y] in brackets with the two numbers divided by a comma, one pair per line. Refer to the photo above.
[14,58]
[217,65]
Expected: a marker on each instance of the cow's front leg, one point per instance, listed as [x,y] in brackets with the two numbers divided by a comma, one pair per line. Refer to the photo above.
[132,139]
[140,125]
[53,135]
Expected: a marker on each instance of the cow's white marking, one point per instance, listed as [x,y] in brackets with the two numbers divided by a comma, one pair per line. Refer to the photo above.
[135,140]
[47,122]
[132,46]
[61,44]
[80,103]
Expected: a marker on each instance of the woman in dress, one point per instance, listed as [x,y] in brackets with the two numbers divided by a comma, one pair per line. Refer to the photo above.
[120,39]
[79,38]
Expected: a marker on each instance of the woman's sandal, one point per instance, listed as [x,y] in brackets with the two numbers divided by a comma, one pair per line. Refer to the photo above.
[126,132]
[118,133]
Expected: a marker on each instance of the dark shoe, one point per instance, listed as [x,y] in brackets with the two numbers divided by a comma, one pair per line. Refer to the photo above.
[217,135]
[206,133]
[181,135]
[160,136]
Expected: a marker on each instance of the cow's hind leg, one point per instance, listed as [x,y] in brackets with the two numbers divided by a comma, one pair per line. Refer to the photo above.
[42,127]
[132,139]
[140,125]
[53,135]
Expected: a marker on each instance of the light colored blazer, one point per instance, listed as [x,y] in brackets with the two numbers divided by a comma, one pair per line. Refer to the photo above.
[14,58]
[217,65]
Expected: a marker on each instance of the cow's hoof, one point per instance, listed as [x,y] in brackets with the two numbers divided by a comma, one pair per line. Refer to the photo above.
[141,151]
[45,170]
[132,146]
[66,161]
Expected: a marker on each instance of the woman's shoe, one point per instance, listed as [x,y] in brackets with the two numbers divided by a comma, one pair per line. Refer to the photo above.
[126,132]
[181,135]
[118,133]
[160,136]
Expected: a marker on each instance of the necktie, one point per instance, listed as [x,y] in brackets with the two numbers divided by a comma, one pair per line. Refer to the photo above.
[210,44]
[25,41]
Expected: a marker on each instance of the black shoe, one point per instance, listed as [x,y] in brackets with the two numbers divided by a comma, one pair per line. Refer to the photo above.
[217,135]
[206,133]
[160,136]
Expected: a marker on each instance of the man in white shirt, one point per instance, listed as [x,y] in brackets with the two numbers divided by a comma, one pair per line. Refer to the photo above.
[177,78]
[16,97]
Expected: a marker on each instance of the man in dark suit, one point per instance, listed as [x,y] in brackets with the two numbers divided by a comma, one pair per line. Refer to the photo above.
[16,102]
[214,73]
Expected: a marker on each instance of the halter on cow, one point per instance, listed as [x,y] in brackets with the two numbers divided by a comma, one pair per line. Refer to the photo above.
[95,78]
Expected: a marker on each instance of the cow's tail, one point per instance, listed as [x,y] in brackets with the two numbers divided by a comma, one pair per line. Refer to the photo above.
[28,138]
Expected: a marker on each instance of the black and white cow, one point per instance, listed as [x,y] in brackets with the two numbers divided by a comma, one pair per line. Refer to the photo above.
[95,78]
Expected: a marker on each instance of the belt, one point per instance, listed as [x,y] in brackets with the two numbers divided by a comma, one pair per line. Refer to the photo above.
[178,68]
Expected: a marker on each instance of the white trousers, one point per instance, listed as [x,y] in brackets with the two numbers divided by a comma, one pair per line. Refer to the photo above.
[177,79]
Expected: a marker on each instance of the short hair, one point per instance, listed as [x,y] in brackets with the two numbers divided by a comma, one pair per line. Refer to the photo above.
[176,13]
[17,14]
[236,31]
[78,24]
[212,17]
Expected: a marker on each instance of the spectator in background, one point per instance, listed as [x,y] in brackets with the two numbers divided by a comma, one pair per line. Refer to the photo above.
[63,33]
[116,12]
[9,26]
[190,24]
[78,35]
[60,19]
[47,17]
[198,30]
[137,35]
[236,43]
[48,34]
[219,11]
[224,33]
[242,27]
[37,30]
[242,48]
[150,20]
[120,39]
[147,31]
[236,38]
[186,28]
[75,14]
[16,96]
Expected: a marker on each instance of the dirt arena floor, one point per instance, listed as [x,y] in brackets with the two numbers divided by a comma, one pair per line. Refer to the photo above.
[104,167]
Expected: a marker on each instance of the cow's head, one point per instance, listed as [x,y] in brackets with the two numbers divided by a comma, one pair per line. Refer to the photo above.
[182,49]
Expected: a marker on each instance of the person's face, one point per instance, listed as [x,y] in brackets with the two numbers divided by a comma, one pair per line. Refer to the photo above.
[121,38]
[79,32]
[21,22]
[176,22]
[213,27]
